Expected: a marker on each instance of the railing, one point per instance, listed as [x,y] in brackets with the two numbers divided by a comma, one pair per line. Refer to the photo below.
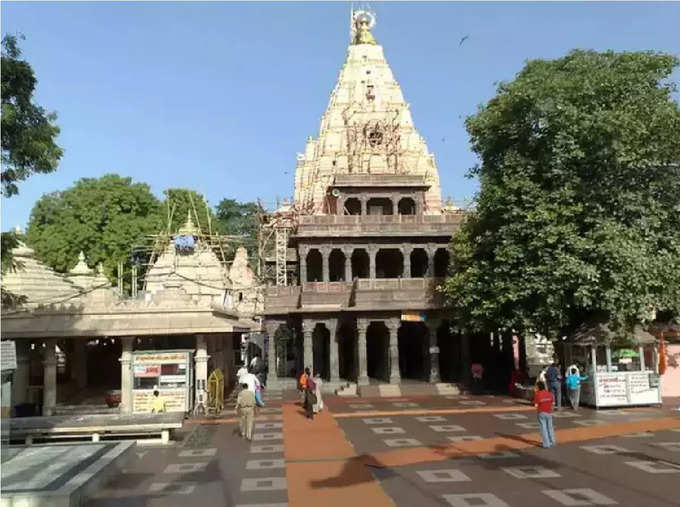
[367,180]
[449,218]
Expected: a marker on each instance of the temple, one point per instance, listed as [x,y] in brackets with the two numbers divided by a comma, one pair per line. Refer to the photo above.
[369,235]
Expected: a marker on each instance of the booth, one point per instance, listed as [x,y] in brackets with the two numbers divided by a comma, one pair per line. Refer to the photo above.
[622,370]
[170,372]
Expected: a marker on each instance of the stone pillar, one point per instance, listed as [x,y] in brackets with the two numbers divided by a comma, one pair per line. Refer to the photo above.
[22,373]
[364,202]
[201,369]
[433,349]
[307,348]
[430,260]
[372,253]
[348,263]
[79,363]
[395,204]
[340,210]
[406,253]
[125,406]
[303,251]
[50,377]
[393,328]
[272,373]
[325,271]
[332,326]
[362,328]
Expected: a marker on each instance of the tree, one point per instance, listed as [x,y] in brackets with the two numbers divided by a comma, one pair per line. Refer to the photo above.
[238,219]
[179,202]
[104,217]
[28,132]
[578,215]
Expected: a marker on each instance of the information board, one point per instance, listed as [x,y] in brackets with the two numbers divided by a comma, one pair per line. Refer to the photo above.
[175,400]
[611,389]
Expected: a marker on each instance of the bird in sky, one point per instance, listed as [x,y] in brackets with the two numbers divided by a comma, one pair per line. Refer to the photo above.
[463,39]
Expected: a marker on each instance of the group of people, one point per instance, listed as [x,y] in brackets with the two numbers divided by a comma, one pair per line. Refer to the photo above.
[548,397]
[310,390]
[249,397]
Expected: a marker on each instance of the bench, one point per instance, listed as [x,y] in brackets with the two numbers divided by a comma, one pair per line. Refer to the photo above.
[95,427]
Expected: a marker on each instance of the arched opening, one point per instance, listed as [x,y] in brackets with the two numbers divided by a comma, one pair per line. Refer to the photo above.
[360,263]
[336,266]
[449,353]
[286,352]
[441,262]
[379,206]
[347,353]
[418,263]
[314,270]
[321,351]
[389,263]
[412,338]
[352,206]
[377,351]
[407,206]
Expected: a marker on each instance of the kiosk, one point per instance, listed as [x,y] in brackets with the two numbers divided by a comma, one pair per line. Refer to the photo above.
[621,371]
[170,372]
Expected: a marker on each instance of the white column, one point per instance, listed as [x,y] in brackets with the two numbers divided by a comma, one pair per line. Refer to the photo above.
[125,406]
[272,374]
[393,328]
[307,348]
[50,377]
[21,375]
[433,350]
[362,327]
[79,363]
[334,370]
[201,361]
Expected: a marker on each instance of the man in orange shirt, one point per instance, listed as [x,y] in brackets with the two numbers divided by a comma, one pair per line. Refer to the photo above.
[544,401]
[302,386]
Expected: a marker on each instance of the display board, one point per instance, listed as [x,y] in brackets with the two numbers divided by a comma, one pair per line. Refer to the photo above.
[168,372]
[623,389]
[611,389]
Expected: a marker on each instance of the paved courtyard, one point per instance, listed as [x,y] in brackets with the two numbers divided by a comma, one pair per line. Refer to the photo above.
[460,451]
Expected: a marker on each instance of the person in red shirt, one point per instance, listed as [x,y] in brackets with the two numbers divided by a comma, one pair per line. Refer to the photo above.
[544,401]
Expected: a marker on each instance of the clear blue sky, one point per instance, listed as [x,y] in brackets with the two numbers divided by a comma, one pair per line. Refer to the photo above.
[219,97]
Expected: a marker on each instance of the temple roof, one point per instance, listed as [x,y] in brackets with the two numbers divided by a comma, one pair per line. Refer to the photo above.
[366,129]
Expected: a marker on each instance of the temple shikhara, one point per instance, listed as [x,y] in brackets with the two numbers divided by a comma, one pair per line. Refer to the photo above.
[363,246]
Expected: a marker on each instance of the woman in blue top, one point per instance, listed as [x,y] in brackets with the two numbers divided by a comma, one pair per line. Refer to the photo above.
[573,382]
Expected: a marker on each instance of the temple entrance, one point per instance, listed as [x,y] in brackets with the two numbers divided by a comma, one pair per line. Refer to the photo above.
[287,352]
[336,266]
[321,345]
[449,353]
[377,351]
[412,338]
[347,352]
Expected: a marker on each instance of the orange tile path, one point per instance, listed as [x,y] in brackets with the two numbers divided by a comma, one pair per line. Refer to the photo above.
[434,411]
[322,468]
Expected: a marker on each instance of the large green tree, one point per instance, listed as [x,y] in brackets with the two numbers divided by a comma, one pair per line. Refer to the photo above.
[179,202]
[578,214]
[104,217]
[238,219]
[28,131]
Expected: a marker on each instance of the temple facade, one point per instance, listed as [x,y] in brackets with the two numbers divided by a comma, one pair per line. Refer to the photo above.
[370,239]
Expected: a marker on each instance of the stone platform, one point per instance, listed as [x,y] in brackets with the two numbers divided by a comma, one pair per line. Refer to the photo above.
[58,475]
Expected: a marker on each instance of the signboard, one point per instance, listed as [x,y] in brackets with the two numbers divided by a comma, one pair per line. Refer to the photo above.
[640,389]
[161,358]
[611,389]
[407,316]
[148,370]
[8,355]
[175,400]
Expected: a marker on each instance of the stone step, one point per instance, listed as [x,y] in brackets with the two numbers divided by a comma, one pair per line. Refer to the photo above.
[408,389]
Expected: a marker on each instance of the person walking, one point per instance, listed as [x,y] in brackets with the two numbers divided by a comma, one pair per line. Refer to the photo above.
[318,406]
[554,378]
[310,395]
[543,401]
[573,382]
[477,371]
[245,409]
[302,387]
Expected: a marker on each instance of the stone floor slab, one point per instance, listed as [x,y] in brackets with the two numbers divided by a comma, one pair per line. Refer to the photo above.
[474,500]
[448,475]
[578,497]
[263,484]
[531,472]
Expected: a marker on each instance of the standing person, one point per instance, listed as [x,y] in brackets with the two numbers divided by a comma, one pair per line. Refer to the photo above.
[543,401]
[302,386]
[477,371]
[318,406]
[573,382]
[310,395]
[241,371]
[157,403]
[245,408]
[554,377]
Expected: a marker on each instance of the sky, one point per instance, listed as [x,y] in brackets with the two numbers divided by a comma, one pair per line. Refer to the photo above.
[219,97]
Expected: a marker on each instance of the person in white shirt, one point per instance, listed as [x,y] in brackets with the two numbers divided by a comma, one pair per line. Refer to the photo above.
[241,371]
[251,380]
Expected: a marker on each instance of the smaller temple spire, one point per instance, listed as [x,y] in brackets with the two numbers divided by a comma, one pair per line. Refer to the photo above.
[188,229]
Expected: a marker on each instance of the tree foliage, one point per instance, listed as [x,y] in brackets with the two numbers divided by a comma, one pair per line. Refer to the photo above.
[179,202]
[578,215]
[238,219]
[104,217]
[28,132]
